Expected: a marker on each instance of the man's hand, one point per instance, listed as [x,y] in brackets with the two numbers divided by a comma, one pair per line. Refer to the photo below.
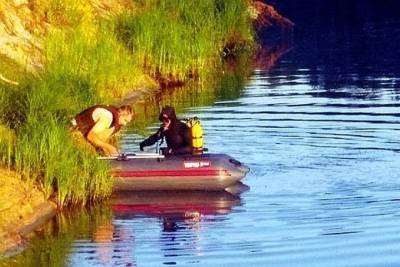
[99,135]
[109,150]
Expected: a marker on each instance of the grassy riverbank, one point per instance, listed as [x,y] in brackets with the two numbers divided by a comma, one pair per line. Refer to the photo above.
[185,39]
[90,58]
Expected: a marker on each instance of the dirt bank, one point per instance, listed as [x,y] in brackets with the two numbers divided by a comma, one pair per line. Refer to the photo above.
[23,208]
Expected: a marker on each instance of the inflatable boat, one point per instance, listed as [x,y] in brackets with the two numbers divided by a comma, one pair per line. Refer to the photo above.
[152,171]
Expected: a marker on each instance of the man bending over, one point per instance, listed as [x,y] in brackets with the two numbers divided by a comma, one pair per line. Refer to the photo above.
[98,123]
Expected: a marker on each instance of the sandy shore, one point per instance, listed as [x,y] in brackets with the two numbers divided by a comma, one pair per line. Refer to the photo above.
[23,209]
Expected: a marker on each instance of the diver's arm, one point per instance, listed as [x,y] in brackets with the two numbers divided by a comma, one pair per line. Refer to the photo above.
[152,139]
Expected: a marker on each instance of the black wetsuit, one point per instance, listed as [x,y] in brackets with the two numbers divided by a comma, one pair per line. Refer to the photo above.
[177,135]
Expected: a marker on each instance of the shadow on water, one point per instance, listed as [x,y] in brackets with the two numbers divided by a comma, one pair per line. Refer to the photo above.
[51,245]
[345,45]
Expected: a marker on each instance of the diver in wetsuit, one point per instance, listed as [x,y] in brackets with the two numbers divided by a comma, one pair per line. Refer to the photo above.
[176,133]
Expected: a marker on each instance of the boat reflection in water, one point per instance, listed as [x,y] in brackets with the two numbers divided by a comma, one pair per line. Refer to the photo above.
[173,222]
[167,203]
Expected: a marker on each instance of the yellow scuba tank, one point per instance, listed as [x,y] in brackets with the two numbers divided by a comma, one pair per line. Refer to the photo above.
[196,134]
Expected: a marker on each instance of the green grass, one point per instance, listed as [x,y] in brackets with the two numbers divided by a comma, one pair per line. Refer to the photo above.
[177,37]
[44,150]
[7,142]
[87,61]
[84,65]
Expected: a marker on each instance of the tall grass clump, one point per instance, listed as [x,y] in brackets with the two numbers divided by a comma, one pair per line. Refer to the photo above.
[10,101]
[174,37]
[84,65]
[87,48]
[49,155]
[45,152]
[7,141]
[40,145]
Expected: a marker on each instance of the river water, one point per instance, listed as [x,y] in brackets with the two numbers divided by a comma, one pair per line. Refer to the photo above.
[319,130]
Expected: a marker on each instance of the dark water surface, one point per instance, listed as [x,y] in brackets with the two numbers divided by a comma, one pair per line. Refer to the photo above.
[320,132]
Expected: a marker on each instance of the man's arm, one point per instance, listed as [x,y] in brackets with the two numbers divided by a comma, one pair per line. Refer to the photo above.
[99,134]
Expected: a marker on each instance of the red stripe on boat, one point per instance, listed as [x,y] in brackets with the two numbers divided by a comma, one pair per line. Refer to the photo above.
[177,173]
